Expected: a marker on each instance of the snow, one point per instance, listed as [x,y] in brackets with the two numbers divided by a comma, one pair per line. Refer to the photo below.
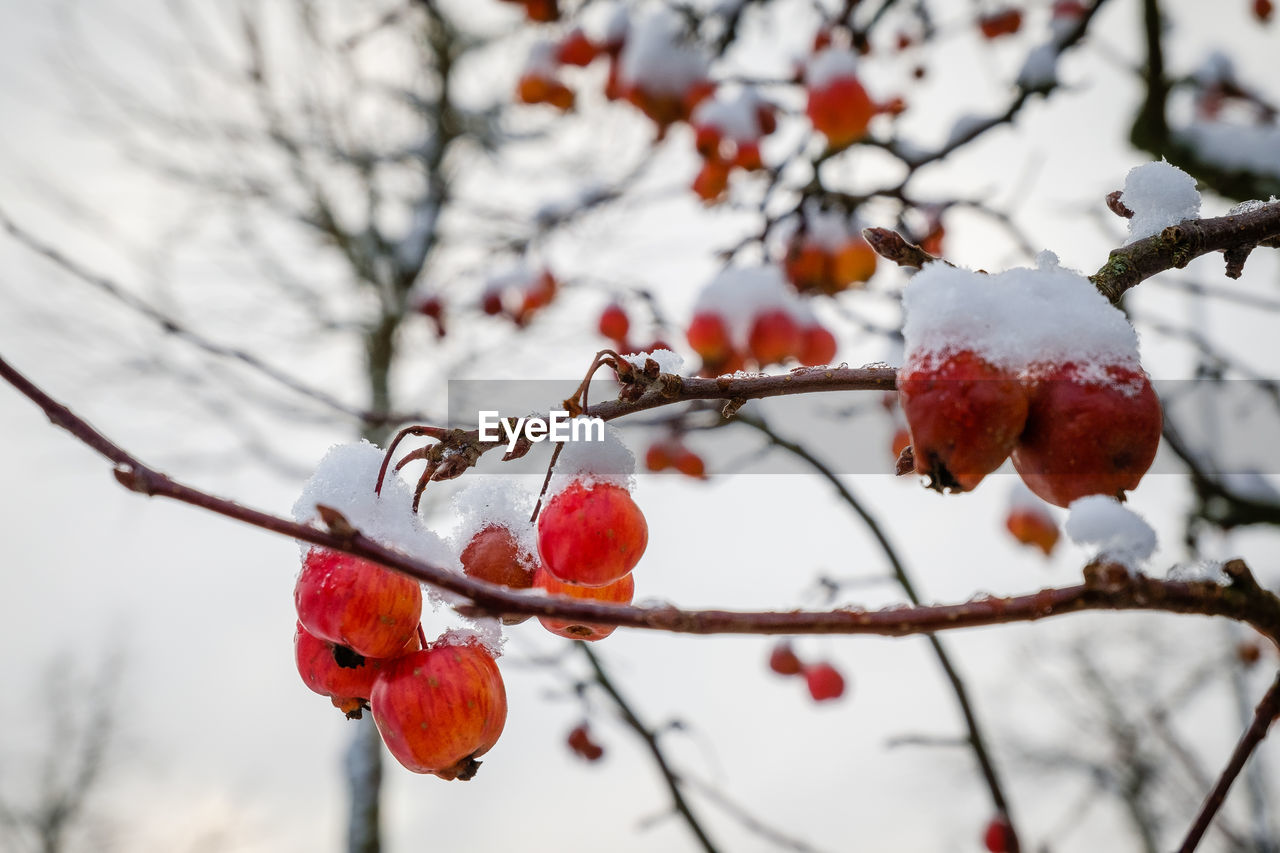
[735,115]
[1017,319]
[1250,206]
[668,361]
[1232,145]
[494,500]
[1160,195]
[739,294]
[344,479]
[487,632]
[541,61]
[1119,533]
[1041,67]
[520,277]
[830,229]
[657,61]
[590,462]
[830,64]
[1200,571]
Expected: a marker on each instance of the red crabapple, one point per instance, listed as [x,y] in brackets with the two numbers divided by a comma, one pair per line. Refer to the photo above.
[817,346]
[998,837]
[825,681]
[614,323]
[964,415]
[774,337]
[576,49]
[841,110]
[1005,22]
[620,591]
[1033,526]
[709,337]
[783,660]
[441,708]
[591,534]
[493,555]
[357,603]
[1086,437]
[338,672]
[581,743]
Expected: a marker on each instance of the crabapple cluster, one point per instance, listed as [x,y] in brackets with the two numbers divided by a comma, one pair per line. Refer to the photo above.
[615,325]
[1031,364]
[727,133]
[518,294]
[672,453]
[823,680]
[582,744]
[438,707]
[748,317]
[827,254]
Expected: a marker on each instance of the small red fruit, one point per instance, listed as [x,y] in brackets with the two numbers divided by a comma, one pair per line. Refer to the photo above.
[591,535]
[855,263]
[1006,22]
[806,267]
[783,660]
[493,555]
[1262,10]
[620,591]
[774,337]
[825,682]
[964,415]
[748,156]
[999,835]
[709,338]
[690,464]
[337,672]
[1087,437]
[614,323]
[712,180]
[357,603]
[441,708]
[841,110]
[658,457]
[817,346]
[581,743]
[576,49]
[1032,526]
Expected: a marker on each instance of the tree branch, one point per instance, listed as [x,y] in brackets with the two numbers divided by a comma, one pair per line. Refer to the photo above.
[1178,245]
[1242,600]
[650,739]
[1267,712]
[977,740]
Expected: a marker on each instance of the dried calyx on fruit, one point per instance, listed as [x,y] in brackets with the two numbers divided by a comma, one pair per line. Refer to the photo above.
[1032,363]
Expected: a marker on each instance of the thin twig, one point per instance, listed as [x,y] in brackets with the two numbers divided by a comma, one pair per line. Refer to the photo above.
[977,740]
[650,739]
[1267,712]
